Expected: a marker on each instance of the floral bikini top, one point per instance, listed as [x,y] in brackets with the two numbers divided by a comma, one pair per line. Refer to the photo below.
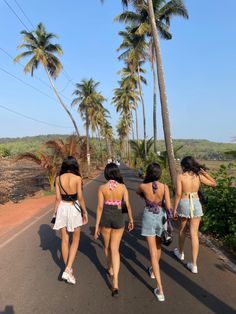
[153,206]
[112,184]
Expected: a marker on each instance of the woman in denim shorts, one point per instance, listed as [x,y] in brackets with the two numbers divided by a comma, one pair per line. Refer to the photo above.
[188,207]
[154,219]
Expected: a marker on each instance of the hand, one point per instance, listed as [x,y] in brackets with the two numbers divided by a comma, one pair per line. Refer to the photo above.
[202,171]
[85,218]
[130,225]
[175,215]
[96,233]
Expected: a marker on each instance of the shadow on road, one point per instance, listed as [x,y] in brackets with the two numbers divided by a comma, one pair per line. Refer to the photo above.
[203,296]
[87,247]
[50,241]
[8,310]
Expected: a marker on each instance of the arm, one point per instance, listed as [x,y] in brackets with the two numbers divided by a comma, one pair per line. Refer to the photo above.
[57,199]
[99,212]
[206,179]
[81,201]
[140,191]
[167,197]
[178,195]
[126,199]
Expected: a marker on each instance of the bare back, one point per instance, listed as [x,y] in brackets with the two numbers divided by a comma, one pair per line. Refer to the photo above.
[69,182]
[115,194]
[190,183]
[147,189]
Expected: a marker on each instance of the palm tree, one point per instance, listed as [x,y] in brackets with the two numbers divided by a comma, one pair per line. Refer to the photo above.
[130,80]
[139,148]
[39,47]
[157,18]
[48,162]
[87,98]
[68,148]
[135,54]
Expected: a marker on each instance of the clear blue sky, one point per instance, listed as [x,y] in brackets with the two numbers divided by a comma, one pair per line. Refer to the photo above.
[199,63]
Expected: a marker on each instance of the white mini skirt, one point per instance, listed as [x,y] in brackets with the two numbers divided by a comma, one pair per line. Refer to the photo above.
[68,216]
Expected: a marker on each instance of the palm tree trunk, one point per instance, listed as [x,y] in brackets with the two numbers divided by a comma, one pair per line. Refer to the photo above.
[132,127]
[136,118]
[100,144]
[163,96]
[154,105]
[87,142]
[62,103]
[144,115]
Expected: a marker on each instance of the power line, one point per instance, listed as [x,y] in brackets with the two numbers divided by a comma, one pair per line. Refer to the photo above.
[14,12]
[35,88]
[33,119]
[66,75]
[38,78]
[23,12]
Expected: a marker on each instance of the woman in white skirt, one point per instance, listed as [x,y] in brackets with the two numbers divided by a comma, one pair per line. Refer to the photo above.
[70,212]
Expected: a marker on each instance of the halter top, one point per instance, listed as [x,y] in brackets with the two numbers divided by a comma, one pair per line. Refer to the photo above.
[112,184]
[153,206]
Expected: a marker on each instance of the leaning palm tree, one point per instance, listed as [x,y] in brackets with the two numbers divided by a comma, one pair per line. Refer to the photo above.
[154,8]
[42,51]
[87,97]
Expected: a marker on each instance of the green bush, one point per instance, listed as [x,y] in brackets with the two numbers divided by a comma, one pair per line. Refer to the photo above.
[4,151]
[220,211]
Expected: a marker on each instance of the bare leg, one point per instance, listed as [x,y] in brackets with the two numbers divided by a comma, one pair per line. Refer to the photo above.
[106,234]
[116,235]
[182,229]
[65,244]
[154,245]
[73,247]
[194,226]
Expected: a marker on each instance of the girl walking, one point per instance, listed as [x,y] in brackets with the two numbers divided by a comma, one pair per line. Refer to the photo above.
[70,212]
[188,207]
[110,220]
[154,217]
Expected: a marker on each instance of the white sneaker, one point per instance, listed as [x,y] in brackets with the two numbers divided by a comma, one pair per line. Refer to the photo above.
[179,255]
[68,277]
[160,297]
[151,272]
[192,268]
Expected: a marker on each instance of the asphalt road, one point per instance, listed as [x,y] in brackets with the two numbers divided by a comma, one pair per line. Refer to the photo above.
[31,264]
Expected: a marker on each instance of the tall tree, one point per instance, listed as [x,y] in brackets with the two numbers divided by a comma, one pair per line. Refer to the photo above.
[42,51]
[157,18]
[87,97]
[134,54]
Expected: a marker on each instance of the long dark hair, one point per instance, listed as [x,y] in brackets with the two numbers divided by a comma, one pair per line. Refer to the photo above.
[188,163]
[70,165]
[112,172]
[153,173]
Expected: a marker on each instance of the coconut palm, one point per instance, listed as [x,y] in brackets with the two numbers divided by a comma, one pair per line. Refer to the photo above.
[155,16]
[138,148]
[86,98]
[134,54]
[68,148]
[48,162]
[130,79]
[42,51]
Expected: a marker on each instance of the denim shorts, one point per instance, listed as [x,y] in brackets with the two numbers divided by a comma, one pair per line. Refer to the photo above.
[152,223]
[112,217]
[183,209]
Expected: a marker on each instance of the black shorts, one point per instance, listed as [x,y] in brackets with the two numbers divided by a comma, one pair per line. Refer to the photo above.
[112,217]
